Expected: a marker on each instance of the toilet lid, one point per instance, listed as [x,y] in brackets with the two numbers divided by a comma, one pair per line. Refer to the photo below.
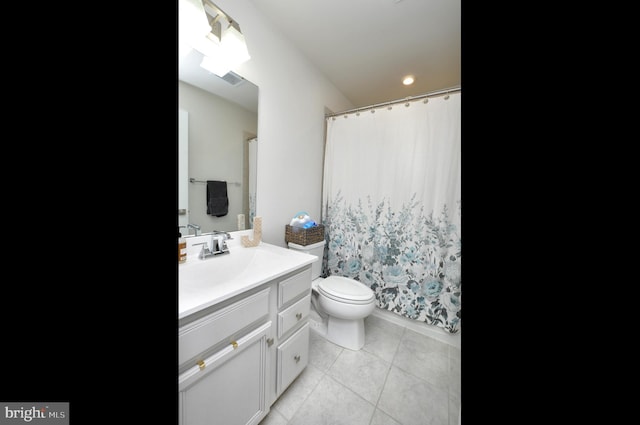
[344,289]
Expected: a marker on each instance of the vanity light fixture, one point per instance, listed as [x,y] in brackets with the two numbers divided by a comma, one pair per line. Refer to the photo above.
[223,46]
[408,80]
[193,25]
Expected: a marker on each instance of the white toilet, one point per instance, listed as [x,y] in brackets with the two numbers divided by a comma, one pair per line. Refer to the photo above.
[341,303]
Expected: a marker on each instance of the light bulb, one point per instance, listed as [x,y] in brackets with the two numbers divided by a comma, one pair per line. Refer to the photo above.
[408,80]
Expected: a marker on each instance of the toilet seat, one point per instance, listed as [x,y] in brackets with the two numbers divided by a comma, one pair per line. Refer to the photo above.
[345,290]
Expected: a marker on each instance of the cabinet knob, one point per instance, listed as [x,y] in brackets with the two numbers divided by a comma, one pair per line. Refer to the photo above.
[298,316]
[297,358]
[201,364]
[270,342]
[235,344]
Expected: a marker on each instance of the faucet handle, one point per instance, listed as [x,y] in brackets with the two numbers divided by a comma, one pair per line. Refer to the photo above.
[221,245]
[203,250]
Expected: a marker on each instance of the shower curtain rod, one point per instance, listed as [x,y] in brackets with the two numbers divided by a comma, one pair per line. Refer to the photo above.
[395,102]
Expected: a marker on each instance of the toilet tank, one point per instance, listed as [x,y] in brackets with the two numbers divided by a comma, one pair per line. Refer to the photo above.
[316,249]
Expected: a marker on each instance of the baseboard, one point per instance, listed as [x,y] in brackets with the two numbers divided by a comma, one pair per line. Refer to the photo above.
[420,327]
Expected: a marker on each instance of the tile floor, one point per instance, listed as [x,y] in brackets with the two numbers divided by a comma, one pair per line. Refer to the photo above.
[399,377]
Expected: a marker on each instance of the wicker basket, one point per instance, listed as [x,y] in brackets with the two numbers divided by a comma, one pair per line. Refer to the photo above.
[304,236]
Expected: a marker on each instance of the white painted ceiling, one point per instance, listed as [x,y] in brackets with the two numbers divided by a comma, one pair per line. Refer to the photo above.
[364,47]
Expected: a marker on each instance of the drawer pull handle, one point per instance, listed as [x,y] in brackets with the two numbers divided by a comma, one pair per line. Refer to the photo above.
[297,358]
[235,344]
[270,342]
[298,316]
[201,364]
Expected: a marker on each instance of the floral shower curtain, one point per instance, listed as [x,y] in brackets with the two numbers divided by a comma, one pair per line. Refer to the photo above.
[391,206]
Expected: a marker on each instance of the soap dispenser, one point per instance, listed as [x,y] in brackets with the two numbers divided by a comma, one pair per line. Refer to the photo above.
[182,249]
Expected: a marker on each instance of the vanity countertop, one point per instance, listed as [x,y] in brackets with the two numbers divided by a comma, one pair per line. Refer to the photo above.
[203,283]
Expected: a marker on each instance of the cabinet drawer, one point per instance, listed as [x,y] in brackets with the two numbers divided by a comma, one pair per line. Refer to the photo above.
[291,288]
[198,336]
[293,315]
[293,357]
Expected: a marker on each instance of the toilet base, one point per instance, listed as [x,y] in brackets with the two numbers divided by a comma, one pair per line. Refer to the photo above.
[346,333]
[317,322]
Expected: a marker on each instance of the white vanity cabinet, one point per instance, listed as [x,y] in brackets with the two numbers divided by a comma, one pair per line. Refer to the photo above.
[294,304]
[237,356]
[225,363]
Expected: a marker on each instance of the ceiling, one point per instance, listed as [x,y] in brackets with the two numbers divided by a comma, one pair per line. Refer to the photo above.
[366,47]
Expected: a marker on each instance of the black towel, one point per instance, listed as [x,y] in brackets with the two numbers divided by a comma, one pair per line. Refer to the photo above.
[217,200]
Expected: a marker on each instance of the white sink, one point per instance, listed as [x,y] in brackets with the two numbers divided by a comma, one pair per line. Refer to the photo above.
[202,283]
[218,268]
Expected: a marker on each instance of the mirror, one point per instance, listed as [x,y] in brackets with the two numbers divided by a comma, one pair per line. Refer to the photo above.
[217,129]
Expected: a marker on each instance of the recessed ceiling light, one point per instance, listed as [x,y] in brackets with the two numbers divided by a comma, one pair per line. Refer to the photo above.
[408,80]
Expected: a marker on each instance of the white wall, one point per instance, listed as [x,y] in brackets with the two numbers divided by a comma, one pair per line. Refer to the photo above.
[208,143]
[293,97]
[183,168]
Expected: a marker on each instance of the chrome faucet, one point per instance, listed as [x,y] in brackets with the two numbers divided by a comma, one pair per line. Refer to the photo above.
[217,245]
[219,238]
[221,232]
[194,227]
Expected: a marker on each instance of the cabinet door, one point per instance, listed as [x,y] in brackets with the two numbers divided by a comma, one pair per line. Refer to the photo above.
[293,357]
[230,387]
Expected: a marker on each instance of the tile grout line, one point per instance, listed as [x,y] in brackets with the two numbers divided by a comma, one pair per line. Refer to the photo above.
[324,373]
[354,393]
[380,395]
[410,372]
[336,359]
[304,400]
[448,358]
[386,377]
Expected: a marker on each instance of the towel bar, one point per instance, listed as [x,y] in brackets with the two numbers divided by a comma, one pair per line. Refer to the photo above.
[192,180]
